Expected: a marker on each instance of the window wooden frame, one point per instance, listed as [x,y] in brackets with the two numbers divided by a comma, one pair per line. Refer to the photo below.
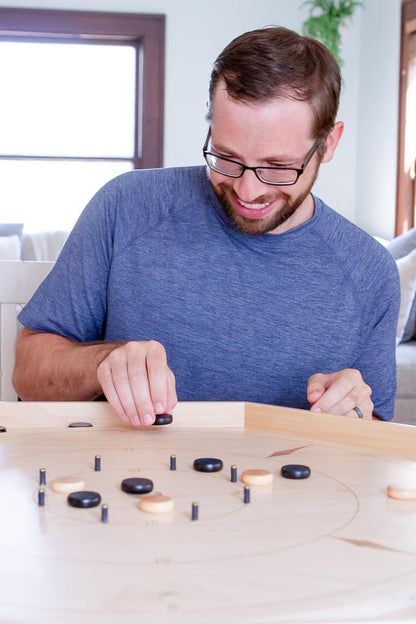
[405,197]
[145,32]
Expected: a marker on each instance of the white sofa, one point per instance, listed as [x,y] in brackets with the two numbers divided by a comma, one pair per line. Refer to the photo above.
[405,409]
[403,249]
[15,244]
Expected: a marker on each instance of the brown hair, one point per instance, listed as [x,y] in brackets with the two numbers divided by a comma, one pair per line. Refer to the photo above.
[276,62]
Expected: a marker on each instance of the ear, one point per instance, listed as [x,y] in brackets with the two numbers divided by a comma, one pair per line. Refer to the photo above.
[332,141]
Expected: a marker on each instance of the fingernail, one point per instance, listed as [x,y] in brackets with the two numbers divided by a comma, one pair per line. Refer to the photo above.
[136,420]
[125,418]
[159,408]
[316,409]
[148,419]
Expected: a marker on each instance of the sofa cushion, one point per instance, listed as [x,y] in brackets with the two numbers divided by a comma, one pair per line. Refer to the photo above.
[43,245]
[406,369]
[407,314]
[11,229]
[401,247]
[10,247]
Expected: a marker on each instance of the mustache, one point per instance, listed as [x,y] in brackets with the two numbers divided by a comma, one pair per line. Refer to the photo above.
[266,198]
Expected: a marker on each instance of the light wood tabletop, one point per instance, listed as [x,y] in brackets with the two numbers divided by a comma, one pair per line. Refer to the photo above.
[333,547]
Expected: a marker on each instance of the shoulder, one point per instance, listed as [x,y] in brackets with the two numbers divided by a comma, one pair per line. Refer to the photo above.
[140,182]
[359,252]
[359,259]
[137,201]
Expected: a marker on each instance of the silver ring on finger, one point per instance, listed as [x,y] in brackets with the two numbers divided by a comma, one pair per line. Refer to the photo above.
[358,412]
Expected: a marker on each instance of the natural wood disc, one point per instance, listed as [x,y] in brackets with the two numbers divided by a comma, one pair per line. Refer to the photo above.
[257,477]
[156,503]
[401,492]
[66,485]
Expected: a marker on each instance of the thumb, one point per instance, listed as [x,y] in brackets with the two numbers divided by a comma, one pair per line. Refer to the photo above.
[317,384]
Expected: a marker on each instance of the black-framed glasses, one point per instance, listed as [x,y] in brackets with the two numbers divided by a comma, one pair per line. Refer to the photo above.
[278,176]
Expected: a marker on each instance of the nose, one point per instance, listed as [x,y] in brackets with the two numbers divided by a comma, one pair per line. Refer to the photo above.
[249,187]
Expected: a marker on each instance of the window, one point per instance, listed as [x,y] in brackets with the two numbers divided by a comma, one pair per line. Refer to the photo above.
[82,101]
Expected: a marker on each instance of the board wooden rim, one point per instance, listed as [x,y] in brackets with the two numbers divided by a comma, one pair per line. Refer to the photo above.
[385,437]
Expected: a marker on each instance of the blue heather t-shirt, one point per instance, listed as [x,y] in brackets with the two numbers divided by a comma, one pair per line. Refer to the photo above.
[242,317]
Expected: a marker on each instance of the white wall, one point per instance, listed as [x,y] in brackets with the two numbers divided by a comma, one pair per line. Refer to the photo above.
[378,112]
[196,31]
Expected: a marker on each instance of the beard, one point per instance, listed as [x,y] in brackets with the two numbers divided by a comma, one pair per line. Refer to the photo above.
[288,206]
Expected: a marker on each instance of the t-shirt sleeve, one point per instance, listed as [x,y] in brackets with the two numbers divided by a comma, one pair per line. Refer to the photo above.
[377,361]
[71,301]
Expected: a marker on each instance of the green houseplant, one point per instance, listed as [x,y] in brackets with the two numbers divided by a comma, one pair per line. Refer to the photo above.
[326,17]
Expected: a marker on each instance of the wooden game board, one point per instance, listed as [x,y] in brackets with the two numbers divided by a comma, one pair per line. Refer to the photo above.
[331,548]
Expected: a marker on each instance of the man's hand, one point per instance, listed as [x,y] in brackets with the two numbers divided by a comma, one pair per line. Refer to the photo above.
[137,381]
[339,393]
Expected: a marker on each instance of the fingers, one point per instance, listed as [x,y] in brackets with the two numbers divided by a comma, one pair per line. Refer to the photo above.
[339,393]
[137,381]
[317,385]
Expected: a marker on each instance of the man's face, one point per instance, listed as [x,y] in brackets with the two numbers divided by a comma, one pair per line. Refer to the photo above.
[274,133]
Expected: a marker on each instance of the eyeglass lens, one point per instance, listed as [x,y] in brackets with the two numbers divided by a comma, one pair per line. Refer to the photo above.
[233,169]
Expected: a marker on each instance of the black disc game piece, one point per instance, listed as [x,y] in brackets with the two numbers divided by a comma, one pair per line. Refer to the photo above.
[136,485]
[208,464]
[163,419]
[2,429]
[84,499]
[80,424]
[295,471]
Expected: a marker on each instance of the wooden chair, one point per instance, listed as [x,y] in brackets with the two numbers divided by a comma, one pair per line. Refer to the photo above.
[18,282]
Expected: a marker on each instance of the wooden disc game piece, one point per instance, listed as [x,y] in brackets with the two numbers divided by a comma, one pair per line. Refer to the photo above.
[156,503]
[84,499]
[257,477]
[401,492]
[208,464]
[137,485]
[65,485]
[163,419]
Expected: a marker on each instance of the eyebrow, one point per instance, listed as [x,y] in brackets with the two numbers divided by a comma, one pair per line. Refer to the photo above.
[285,159]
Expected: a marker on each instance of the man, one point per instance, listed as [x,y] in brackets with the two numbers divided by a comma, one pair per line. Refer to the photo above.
[231,282]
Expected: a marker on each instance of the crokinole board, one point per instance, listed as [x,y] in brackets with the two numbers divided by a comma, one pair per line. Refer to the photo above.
[329,548]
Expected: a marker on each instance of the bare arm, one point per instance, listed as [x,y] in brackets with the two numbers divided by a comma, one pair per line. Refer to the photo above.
[53,368]
[134,376]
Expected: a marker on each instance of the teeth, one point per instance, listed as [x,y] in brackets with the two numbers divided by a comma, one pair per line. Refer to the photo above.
[253,206]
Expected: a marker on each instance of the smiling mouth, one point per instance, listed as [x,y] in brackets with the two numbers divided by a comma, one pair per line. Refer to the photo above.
[254,206]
